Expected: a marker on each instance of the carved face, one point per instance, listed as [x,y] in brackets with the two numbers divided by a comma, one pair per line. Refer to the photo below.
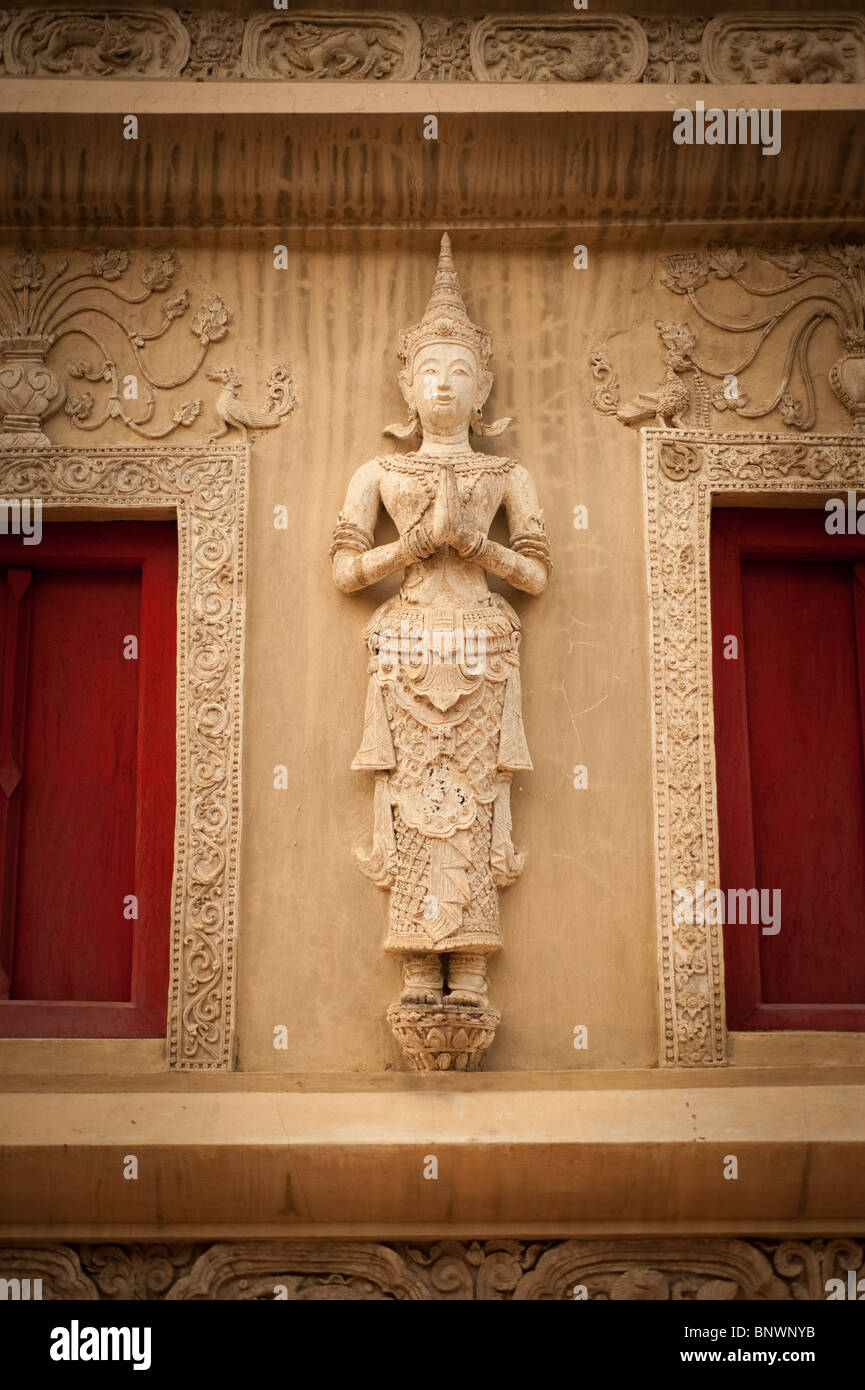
[446,387]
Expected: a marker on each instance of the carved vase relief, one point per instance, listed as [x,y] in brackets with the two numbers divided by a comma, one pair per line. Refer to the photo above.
[443,730]
[41,305]
[817,285]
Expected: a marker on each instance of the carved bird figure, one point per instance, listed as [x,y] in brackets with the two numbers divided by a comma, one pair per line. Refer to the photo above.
[233,411]
[669,404]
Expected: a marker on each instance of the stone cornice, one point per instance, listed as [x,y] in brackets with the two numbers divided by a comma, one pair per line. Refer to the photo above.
[547,1163]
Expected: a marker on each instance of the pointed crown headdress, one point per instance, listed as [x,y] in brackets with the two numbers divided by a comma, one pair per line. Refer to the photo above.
[446,318]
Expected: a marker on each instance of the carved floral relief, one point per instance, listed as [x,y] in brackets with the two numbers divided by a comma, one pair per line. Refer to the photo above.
[674,49]
[616,1269]
[216,39]
[773,311]
[45,303]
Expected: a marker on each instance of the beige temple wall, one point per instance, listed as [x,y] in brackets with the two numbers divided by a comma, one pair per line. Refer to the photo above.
[579,927]
[360,201]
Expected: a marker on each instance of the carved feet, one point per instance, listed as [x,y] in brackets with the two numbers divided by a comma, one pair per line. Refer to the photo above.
[443,1032]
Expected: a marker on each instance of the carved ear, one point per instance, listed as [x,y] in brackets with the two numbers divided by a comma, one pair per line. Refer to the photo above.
[476,424]
[404,431]
[405,386]
[490,431]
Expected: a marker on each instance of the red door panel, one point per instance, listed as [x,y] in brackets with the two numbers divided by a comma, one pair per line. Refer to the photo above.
[789,754]
[87,807]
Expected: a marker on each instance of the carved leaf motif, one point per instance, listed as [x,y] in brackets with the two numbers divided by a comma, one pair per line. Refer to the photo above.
[177,306]
[79,407]
[28,272]
[187,413]
[725,261]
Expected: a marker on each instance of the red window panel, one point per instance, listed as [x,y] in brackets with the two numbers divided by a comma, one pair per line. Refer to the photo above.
[87,779]
[790,765]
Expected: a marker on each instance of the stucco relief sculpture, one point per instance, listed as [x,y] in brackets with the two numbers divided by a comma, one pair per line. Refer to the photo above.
[558,48]
[817,284]
[443,730]
[155,41]
[615,1269]
[307,46]
[41,305]
[785,48]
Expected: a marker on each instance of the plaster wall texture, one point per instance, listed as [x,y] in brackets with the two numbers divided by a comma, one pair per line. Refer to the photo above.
[578,927]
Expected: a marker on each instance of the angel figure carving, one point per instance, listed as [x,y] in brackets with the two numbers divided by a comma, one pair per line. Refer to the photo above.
[443,729]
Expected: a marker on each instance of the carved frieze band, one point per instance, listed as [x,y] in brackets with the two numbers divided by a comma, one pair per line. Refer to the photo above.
[206,488]
[120,40]
[684,470]
[616,1269]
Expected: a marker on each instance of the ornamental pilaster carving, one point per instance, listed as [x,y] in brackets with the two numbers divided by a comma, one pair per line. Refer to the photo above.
[684,470]
[205,489]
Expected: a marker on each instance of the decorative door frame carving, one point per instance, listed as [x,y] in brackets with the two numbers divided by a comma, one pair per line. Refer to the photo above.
[205,489]
[686,472]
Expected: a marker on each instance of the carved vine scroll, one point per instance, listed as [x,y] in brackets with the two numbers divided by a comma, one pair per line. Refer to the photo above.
[616,1269]
[206,489]
[685,471]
